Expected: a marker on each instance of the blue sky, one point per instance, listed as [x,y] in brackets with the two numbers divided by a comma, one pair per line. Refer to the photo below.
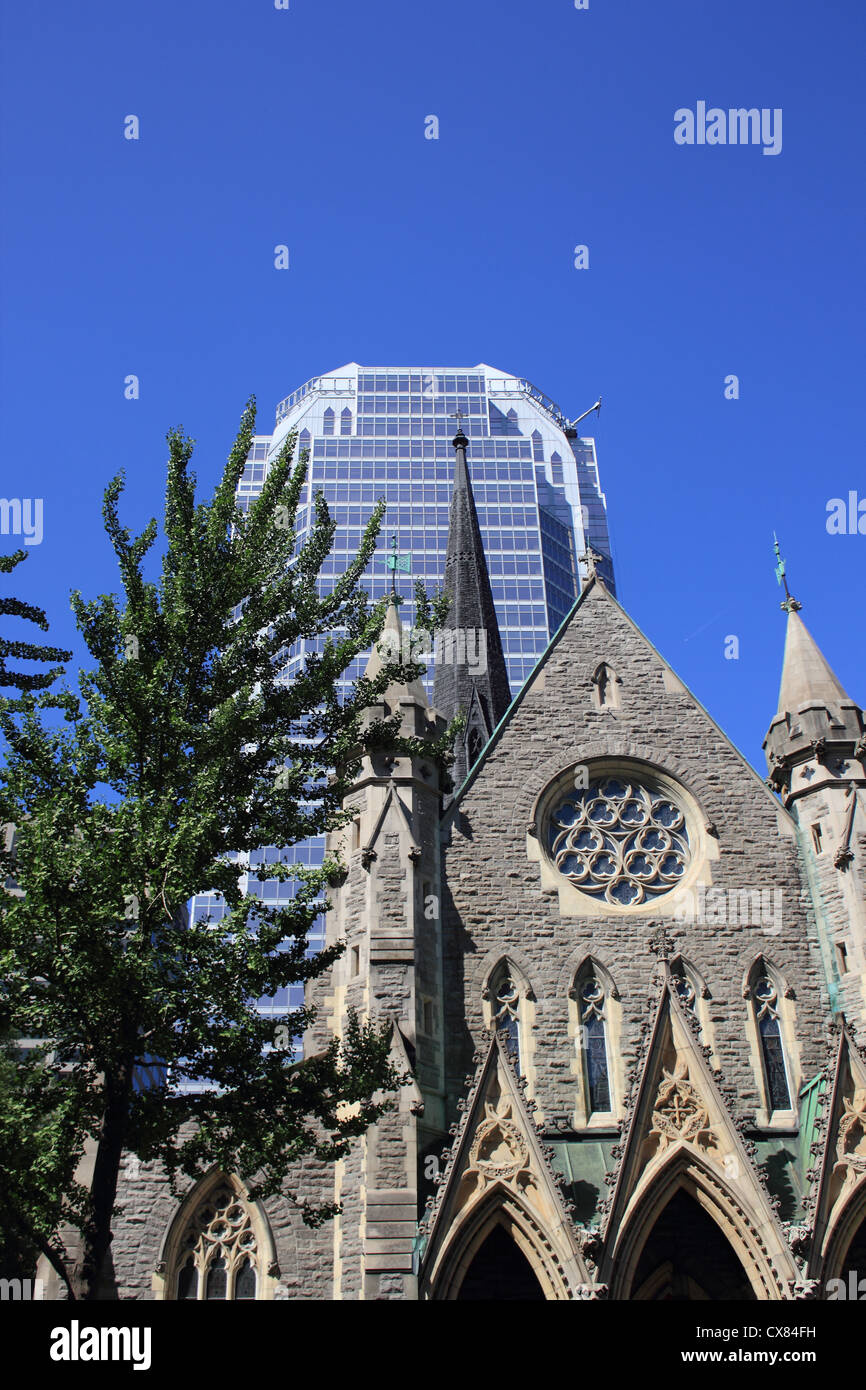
[306,127]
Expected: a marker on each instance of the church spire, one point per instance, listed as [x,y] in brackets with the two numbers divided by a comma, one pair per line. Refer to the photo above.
[816,721]
[807,677]
[393,643]
[470,675]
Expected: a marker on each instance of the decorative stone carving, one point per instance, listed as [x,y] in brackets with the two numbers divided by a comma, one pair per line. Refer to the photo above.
[799,1238]
[679,1112]
[851,1141]
[498,1150]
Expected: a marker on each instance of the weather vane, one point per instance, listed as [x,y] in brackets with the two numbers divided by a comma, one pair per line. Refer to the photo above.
[395,561]
[790,605]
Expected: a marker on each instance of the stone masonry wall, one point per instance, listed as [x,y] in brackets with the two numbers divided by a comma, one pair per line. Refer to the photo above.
[496,906]
[147,1209]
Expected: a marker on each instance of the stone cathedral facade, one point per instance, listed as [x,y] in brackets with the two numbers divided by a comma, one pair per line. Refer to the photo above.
[624,977]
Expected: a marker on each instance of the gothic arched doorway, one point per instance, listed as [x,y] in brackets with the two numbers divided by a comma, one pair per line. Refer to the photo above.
[687,1258]
[500,1270]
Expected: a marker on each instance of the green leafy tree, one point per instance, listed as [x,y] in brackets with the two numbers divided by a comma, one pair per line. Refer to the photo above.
[25,651]
[186,749]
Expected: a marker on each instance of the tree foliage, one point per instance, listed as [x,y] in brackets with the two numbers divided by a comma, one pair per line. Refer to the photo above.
[184,750]
[22,650]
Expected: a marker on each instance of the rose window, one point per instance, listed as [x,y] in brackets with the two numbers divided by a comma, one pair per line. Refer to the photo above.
[620,841]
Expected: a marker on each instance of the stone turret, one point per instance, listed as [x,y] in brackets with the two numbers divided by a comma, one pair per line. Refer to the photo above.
[387,911]
[816,754]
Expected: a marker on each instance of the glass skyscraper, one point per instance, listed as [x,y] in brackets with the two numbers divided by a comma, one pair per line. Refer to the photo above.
[386,432]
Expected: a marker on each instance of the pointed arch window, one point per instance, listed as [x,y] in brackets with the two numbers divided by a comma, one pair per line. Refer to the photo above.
[346,421]
[474,745]
[537,447]
[219,1255]
[245,1279]
[216,1285]
[187,1280]
[605,682]
[506,1012]
[684,985]
[691,990]
[766,1004]
[328,421]
[556,470]
[593,1035]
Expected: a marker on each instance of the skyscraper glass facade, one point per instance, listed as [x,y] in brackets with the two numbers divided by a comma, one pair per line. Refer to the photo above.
[377,432]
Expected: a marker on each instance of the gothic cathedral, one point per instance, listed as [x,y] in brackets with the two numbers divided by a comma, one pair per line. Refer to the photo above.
[624,977]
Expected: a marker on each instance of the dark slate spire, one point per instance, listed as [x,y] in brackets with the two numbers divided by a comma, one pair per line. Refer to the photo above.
[470,676]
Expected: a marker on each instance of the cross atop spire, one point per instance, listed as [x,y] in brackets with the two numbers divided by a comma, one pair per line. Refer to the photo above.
[590,558]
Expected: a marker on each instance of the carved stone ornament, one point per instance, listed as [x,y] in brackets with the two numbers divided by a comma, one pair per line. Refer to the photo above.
[851,1142]
[499,1150]
[679,1112]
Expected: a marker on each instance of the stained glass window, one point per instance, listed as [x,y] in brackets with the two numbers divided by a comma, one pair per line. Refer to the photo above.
[594,1042]
[216,1280]
[772,1051]
[619,840]
[506,1014]
[219,1256]
[187,1280]
[245,1280]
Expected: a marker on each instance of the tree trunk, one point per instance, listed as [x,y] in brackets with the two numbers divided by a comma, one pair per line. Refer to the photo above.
[97,1235]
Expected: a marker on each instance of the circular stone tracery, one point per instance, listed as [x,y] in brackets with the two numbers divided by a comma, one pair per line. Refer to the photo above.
[620,840]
